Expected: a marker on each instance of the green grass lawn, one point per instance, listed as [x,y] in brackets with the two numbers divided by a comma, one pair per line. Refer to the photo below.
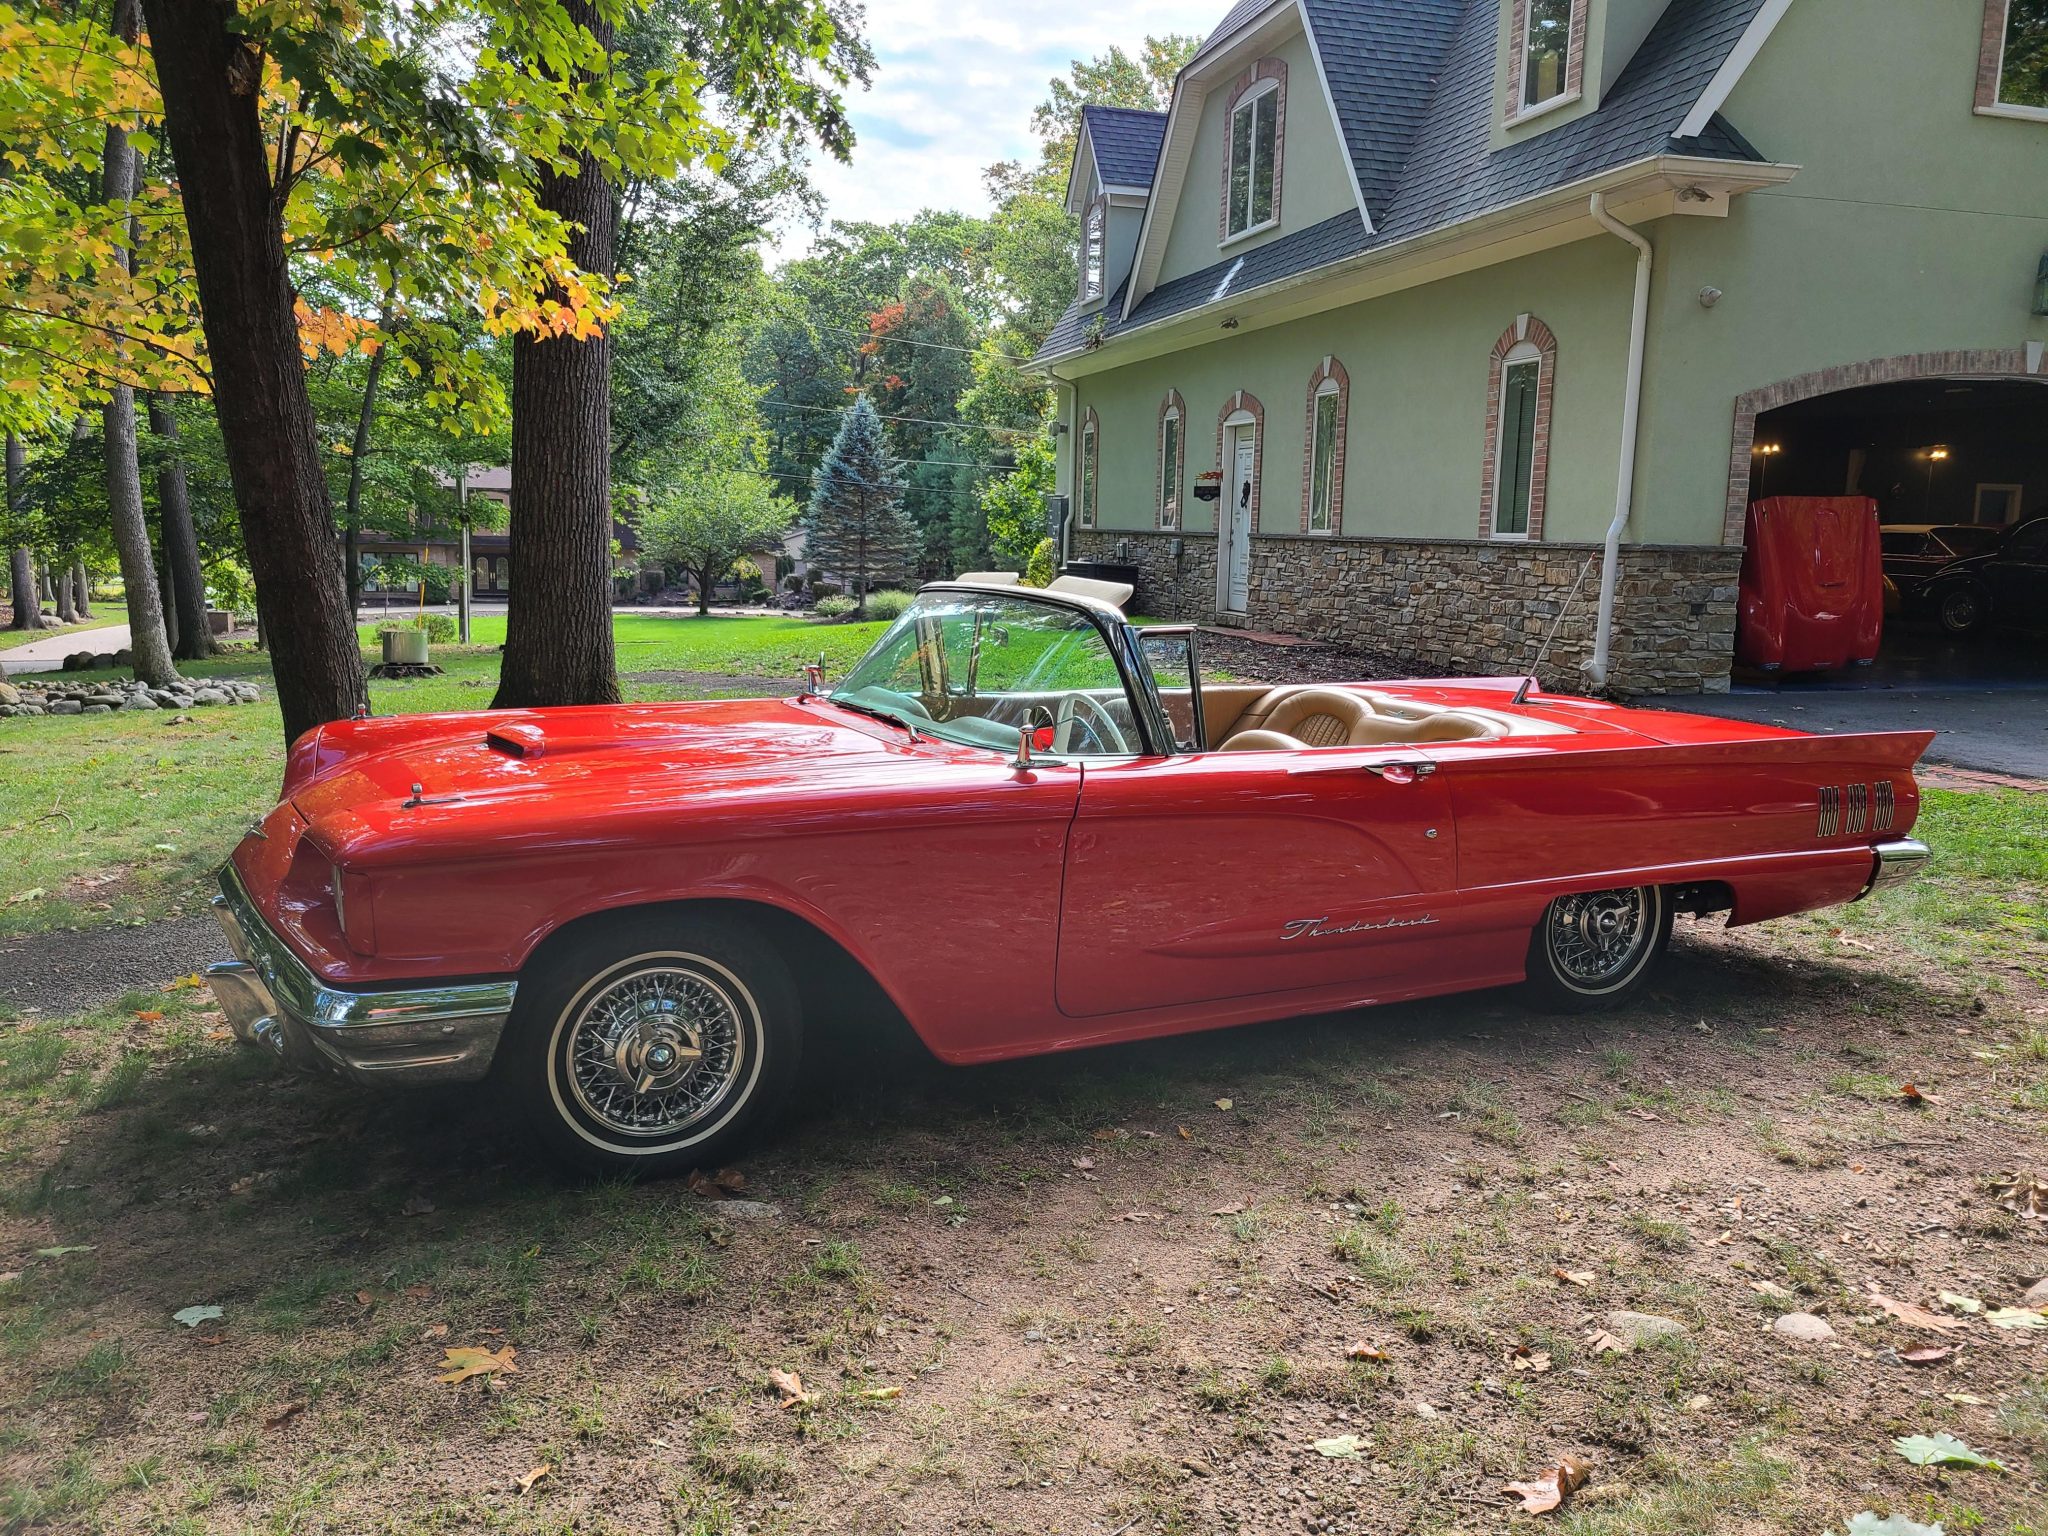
[121,818]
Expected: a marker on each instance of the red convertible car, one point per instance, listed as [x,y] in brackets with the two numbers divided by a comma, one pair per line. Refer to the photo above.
[1033,825]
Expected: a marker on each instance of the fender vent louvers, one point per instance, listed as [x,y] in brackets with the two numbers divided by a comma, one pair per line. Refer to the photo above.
[1859,808]
[1830,810]
[1887,810]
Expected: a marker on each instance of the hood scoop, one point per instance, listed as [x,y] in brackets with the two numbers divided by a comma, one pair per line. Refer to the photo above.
[517,740]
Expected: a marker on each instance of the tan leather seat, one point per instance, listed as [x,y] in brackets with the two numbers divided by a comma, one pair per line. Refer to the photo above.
[1319,717]
[1443,725]
[1289,719]
[1262,741]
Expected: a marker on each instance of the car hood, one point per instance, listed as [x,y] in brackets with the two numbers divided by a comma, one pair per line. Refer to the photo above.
[375,791]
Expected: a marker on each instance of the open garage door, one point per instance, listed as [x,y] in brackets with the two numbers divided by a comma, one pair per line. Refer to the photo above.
[1958,470]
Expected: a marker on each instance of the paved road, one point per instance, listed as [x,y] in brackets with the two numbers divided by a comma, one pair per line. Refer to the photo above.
[48,655]
[1993,727]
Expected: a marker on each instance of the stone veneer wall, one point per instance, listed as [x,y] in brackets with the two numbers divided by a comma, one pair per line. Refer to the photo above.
[1467,607]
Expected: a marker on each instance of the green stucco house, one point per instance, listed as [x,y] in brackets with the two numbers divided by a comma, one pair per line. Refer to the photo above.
[1446,326]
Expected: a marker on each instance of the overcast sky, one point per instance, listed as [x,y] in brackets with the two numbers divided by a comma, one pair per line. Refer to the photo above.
[955,82]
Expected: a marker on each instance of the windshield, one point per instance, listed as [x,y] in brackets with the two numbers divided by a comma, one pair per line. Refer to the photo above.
[978,668]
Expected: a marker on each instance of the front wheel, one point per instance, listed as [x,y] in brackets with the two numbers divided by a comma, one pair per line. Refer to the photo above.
[1593,950]
[1960,608]
[655,1044]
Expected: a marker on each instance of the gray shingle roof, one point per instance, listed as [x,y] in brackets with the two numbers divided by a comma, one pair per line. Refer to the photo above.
[1126,143]
[1413,83]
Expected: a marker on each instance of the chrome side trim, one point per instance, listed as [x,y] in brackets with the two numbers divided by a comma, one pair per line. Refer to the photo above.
[1830,821]
[1894,861]
[1887,809]
[1859,809]
[437,1032]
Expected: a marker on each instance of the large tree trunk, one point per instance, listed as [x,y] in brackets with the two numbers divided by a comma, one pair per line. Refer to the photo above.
[66,613]
[81,588]
[208,79]
[164,594]
[147,640]
[558,623]
[194,640]
[21,560]
[359,449]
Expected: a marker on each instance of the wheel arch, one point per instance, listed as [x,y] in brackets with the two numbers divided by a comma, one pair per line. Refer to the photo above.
[839,990]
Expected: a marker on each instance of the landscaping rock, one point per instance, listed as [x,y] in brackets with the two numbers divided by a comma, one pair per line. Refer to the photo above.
[165,699]
[1641,1328]
[9,694]
[99,709]
[123,658]
[67,707]
[1803,1326]
[140,701]
[209,696]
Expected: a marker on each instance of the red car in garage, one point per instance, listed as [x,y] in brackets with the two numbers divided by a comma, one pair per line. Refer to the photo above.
[1812,592]
[1032,825]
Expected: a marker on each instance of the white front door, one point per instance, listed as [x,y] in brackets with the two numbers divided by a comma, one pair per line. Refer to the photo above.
[1234,523]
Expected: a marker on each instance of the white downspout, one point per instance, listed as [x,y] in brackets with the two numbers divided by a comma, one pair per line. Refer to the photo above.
[1631,407]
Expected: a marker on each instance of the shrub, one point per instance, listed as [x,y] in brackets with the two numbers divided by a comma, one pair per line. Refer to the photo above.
[440,627]
[1038,572]
[793,582]
[889,603]
[823,588]
[833,607]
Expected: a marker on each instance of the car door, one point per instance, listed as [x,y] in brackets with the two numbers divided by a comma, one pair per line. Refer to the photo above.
[1216,875]
[2017,577]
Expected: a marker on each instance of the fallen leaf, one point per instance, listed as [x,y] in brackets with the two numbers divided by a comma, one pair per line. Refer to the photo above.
[1910,1315]
[1967,1399]
[1225,1103]
[790,1387]
[1364,1351]
[186,983]
[1927,1354]
[722,1185]
[1185,1133]
[1912,1094]
[149,1016]
[33,893]
[432,1332]
[1235,1208]
[1942,1450]
[1524,1358]
[62,1249]
[419,1292]
[1605,1343]
[2015,1317]
[1550,1488]
[192,1317]
[465,1361]
[2024,1195]
[1638,1113]
[1573,1276]
[1343,1447]
[9,1276]
[285,1414]
[881,1394]
[1957,1303]
[372,1298]
[526,1483]
[1770,1288]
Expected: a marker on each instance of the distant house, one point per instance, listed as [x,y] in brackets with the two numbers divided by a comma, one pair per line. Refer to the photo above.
[1364,345]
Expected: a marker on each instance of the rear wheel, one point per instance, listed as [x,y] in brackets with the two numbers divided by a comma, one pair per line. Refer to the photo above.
[1593,950]
[656,1044]
[1960,608]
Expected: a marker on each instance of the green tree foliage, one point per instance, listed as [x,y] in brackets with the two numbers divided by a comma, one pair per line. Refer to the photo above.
[706,520]
[855,526]
[1013,506]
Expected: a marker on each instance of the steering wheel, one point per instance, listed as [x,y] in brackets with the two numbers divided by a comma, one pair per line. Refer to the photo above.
[1099,724]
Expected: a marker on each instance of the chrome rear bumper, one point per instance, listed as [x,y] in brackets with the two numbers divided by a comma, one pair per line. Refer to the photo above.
[437,1032]
[1894,861]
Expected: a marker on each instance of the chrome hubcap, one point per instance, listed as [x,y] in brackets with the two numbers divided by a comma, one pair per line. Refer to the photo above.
[657,1050]
[1597,937]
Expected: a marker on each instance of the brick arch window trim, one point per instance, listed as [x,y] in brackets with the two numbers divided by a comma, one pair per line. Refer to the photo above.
[1329,378]
[1088,470]
[1254,79]
[1170,488]
[2022,362]
[1526,333]
[1518,62]
[1241,402]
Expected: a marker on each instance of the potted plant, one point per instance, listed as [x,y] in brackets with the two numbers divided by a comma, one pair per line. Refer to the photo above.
[1209,485]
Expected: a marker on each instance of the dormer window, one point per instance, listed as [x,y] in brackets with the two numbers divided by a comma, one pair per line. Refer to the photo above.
[1094,249]
[1549,54]
[1251,180]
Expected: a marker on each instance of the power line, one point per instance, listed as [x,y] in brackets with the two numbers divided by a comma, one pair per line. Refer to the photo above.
[918,421]
[899,341]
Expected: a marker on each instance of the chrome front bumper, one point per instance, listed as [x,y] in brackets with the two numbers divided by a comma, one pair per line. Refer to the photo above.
[442,1032]
[1891,862]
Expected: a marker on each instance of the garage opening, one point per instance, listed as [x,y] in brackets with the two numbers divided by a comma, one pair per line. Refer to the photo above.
[1958,468]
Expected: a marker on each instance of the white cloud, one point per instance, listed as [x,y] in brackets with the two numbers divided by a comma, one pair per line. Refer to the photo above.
[954,85]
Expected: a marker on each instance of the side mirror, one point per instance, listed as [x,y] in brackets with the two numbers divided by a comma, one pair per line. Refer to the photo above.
[814,676]
[1036,718]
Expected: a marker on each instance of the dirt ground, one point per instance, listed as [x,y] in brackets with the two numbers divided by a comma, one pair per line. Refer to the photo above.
[1110,1292]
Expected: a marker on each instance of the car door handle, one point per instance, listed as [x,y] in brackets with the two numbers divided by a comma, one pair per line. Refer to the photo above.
[1404,771]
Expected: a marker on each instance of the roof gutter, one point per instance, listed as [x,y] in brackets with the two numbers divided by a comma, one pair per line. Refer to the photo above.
[1597,669]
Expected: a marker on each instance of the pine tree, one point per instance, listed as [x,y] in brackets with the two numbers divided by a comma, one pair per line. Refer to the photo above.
[855,525]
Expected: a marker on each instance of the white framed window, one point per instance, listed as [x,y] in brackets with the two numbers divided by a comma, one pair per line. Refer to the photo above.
[1251,191]
[1091,431]
[1996,504]
[1094,249]
[1326,424]
[1172,434]
[2013,75]
[1514,478]
[1544,68]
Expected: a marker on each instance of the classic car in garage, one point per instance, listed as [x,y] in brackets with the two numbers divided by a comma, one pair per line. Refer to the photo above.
[1032,825]
[1914,552]
[2004,587]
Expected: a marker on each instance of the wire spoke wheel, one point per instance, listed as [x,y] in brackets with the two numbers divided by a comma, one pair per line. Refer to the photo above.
[1598,940]
[657,1047]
